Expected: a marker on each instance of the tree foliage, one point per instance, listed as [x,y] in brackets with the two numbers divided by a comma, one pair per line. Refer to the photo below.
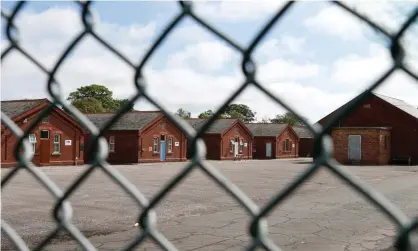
[88,105]
[208,114]
[240,111]
[183,113]
[95,98]
[287,118]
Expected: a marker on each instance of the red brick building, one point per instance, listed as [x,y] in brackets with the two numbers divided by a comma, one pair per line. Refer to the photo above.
[305,141]
[273,141]
[225,139]
[378,115]
[141,136]
[375,139]
[57,140]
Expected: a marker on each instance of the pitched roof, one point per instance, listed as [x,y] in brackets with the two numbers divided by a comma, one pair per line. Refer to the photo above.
[135,120]
[400,104]
[14,108]
[302,132]
[266,129]
[408,108]
[219,126]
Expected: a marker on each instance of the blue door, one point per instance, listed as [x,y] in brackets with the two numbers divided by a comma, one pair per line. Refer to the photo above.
[162,150]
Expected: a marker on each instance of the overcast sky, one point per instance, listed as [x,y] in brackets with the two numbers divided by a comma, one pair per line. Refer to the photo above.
[316,58]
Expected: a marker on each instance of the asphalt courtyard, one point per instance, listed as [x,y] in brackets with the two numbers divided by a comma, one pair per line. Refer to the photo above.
[324,214]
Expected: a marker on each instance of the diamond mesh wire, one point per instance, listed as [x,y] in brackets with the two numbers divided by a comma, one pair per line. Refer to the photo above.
[147,219]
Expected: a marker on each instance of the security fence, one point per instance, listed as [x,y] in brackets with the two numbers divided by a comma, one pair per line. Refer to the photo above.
[62,212]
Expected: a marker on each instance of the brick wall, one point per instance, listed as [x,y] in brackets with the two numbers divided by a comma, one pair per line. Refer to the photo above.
[280,151]
[259,145]
[378,113]
[162,127]
[305,147]
[238,130]
[55,124]
[373,151]
[385,147]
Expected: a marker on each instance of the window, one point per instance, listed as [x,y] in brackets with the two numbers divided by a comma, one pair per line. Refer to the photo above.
[162,137]
[32,141]
[57,143]
[231,146]
[155,148]
[241,145]
[287,147]
[366,106]
[44,134]
[112,144]
[163,126]
[170,144]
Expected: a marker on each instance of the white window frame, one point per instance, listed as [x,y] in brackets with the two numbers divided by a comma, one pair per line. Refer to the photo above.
[112,144]
[241,145]
[231,146]
[170,145]
[155,145]
[57,143]
[32,141]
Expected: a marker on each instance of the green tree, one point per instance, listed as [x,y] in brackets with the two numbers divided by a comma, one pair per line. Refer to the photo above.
[183,113]
[208,114]
[122,102]
[82,99]
[88,105]
[240,111]
[287,118]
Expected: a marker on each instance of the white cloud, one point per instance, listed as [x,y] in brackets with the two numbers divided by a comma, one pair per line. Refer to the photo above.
[335,21]
[279,69]
[293,44]
[207,56]
[389,15]
[357,72]
[286,45]
[237,11]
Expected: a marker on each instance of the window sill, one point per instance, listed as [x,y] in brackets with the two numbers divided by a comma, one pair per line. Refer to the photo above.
[55,154]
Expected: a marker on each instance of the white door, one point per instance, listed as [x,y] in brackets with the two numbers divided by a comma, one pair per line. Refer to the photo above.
[235,148]
[268,149]
[354,147]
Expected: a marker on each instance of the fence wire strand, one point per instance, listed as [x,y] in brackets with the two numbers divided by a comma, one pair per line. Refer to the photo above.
[62,211]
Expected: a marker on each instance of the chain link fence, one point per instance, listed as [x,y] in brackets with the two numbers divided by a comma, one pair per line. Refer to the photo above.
[62,212]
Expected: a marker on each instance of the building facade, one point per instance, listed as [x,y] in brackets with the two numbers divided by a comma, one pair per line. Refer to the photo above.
[225,139]
[305,141]
[362,145]
[57,140]
[273,141]
[379,111]
[141,137]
